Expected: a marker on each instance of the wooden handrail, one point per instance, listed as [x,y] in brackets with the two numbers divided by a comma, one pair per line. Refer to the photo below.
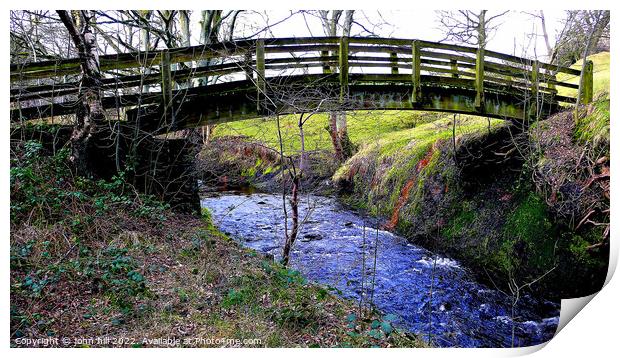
[260,59]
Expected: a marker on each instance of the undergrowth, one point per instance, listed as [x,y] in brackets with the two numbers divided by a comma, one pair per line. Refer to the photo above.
[92,258]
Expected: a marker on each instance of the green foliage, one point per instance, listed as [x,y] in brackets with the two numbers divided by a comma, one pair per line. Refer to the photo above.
[381,169]
[529,221]
[366,331]
[458,226]
[43,189]
[528,235]
[115,273]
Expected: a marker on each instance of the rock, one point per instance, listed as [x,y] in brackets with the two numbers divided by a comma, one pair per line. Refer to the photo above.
[312,237]
[261,202]
[447,306]
[348,224]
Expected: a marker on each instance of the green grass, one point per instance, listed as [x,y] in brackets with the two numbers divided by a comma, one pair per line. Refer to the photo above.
[383,167]
[601,75]
[363,126]
[593,127]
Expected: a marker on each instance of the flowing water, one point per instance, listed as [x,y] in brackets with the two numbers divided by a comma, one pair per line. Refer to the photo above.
[337,248]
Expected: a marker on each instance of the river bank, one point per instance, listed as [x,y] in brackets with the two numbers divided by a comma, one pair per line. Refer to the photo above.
[426,293]
[93,263]
[462,186]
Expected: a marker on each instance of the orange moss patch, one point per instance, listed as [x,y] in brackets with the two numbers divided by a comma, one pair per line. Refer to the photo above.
[404,194]
[402,199]
[427,158]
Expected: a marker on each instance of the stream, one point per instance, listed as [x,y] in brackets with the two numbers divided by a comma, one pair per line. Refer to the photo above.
[337,248]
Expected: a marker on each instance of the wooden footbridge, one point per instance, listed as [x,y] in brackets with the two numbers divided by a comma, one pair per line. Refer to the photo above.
[192,86]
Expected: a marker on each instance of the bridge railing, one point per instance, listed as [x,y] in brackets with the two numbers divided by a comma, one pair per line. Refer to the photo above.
[52,86]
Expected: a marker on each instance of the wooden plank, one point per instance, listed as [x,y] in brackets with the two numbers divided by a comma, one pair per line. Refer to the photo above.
[55,68]
[261,88]
[479,102]
[344,66]
[45,69]
[528,62]
[302,48]
[447,56]
[326,64]
[534,80]
[587,92]
[442,46]
[454,67]
[370,77]
[416,93]
[166,82]
[247,65]
[451,72]
[394,62]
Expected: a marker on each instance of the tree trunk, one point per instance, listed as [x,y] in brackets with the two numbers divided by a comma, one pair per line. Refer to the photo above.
[593,29]
[337,128]
[333,133]
[290,238]
[546,35]
[482,34]
[343,136]
[90,112]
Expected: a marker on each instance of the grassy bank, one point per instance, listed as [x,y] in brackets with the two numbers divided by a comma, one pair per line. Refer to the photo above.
[363,126]
[93,259]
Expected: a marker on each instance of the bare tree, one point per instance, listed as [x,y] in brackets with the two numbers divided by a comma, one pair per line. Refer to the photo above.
[90,111]
[469,27]
[582,27]
[337,127]
[594,30]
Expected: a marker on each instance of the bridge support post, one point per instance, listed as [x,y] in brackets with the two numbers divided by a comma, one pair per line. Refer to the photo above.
[394,62]
[534,89]
[454,68]
[247,64]
[479,101]
[343,62]
[260,74]
[326,68]
[166,85]
[415,72]
[587,91]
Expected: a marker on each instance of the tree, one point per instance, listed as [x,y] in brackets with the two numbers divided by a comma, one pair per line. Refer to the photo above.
[579,26]
[305,102]
[469,27]
[337,127]
[540,16]
[90,111]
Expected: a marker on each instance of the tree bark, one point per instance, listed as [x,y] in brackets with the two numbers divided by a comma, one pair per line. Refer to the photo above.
[90,112]
[290,238]
[337,128]
[333,133]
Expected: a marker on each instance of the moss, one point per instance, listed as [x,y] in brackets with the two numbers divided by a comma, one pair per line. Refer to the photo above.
[529,233]
[397,157]
[460,224]
[593,127]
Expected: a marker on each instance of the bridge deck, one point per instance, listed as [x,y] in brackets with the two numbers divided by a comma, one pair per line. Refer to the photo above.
[198,85]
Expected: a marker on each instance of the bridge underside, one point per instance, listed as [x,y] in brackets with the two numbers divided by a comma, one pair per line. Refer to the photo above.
[216,104]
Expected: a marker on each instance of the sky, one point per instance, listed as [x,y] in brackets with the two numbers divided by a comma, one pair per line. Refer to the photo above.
[513,36]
